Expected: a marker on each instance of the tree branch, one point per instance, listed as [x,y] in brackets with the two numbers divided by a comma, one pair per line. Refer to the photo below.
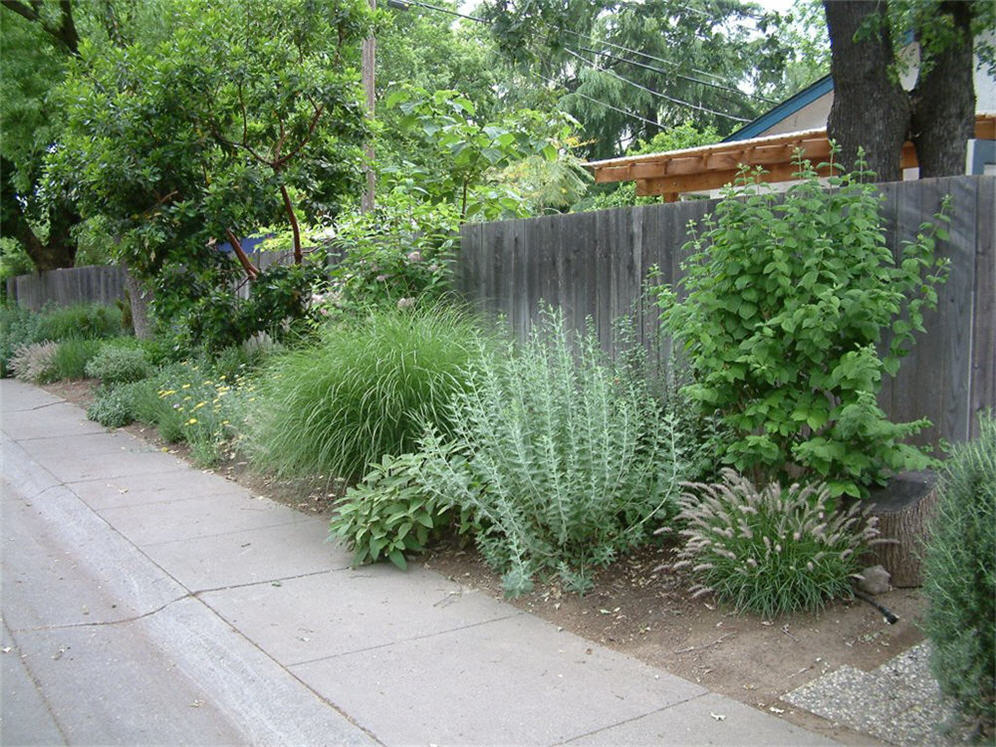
[64,34]
[221,138]
[295,229]
[26,11]
[311,131]
[251,270]
[67,33]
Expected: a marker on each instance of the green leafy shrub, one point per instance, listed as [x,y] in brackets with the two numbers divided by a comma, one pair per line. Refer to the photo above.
[206,314]
[115,363]
[113,406]
[400,253]
[34,363]
[960,578]
[771,551]
[18,328]
[71,359]
[362,392]
[14,261]
[786,308]
[560,460]
[87,321]
[389,513]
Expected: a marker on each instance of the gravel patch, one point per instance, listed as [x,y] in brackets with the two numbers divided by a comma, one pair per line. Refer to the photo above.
[899,702]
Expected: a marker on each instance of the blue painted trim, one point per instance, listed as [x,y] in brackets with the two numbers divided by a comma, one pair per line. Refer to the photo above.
[249,244]
[784,110]
[983,152]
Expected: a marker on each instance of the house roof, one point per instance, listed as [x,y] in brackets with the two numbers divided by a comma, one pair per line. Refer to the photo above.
[713,166]
[783,110]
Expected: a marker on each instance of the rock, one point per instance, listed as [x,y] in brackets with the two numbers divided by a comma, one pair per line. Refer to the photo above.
[874,580]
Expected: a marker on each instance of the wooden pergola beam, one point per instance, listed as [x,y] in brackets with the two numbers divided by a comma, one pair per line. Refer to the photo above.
[713,166]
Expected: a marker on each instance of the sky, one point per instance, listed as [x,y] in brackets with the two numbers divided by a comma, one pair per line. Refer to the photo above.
[780,5]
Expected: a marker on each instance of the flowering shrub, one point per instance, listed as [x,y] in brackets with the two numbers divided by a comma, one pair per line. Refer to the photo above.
[774,550]
[188,403]
[395,256]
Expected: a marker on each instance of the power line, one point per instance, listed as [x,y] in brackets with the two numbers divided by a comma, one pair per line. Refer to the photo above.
[404,4]
[602,103]
[722,85]
[682,76]
[651,91]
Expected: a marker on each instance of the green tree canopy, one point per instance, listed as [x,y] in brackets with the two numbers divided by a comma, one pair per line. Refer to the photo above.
[39,39]
[212,131]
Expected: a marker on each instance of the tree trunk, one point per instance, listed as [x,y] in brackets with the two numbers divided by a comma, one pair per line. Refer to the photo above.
[139,299]
[869,110]
[943,117]
[60,249]
[61,246]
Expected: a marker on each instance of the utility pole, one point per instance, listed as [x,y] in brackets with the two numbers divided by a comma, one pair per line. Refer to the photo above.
[369,61]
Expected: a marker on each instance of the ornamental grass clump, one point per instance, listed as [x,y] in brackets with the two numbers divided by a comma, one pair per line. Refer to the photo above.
[960,579]
[71,358]
[771,551]
[363,391]
[35,363]
[82,321]
[560,459]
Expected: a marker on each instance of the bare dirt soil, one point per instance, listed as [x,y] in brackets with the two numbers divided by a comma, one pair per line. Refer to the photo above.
[644,610]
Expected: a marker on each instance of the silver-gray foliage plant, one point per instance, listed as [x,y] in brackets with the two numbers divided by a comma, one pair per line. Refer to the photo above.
[563,460]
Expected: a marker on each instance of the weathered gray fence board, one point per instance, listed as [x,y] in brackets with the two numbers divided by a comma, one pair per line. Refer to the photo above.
[95,283]
[594,264]
[68,286]
[958,294]
[983,361]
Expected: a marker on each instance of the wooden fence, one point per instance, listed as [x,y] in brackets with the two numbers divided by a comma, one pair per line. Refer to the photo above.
[95,283]
[595,264]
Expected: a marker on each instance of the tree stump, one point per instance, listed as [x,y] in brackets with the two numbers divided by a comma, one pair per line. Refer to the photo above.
[903,508]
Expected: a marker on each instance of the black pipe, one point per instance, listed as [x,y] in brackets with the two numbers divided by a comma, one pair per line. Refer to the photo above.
[889,617]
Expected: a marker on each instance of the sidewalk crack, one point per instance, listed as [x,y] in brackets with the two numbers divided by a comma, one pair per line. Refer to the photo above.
[106,623]
[436,634]
[269,581]
[630,720]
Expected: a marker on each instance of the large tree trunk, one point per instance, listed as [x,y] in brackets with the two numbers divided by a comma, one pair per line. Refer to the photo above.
[943,117]
[870,110]
[60,249]
[139,299]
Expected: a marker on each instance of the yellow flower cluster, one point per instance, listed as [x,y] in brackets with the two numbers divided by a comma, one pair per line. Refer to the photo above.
[192,399]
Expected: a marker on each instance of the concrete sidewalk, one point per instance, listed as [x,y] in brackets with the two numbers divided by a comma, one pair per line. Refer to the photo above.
[147,602]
